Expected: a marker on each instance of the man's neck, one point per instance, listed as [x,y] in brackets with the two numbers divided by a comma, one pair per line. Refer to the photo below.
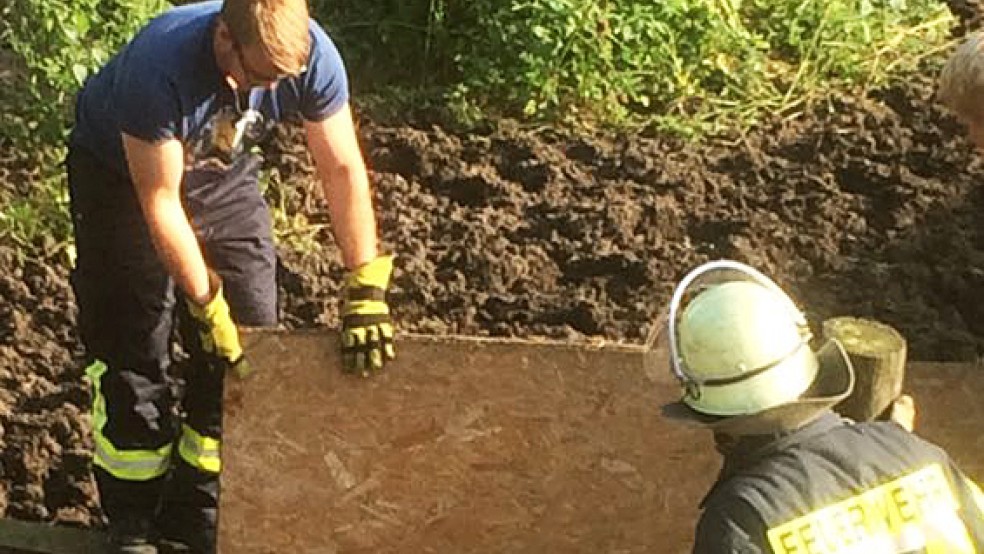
[740,452]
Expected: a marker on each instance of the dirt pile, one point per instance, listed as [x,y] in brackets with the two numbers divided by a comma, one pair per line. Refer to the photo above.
[969,14]
[45,447]
[868,207]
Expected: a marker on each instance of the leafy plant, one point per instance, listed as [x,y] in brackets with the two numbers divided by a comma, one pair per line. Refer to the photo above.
[57,44]
[34,215]
[679,64]
[60,43]
[293,227]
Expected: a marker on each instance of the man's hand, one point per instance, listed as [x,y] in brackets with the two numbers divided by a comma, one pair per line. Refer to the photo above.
[903,412]
[367,329]
[218,333]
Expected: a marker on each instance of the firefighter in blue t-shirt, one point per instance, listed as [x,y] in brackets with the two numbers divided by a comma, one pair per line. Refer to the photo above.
[797,478]
[173,236]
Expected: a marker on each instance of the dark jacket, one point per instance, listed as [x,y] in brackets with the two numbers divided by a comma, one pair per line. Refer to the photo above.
[833,486]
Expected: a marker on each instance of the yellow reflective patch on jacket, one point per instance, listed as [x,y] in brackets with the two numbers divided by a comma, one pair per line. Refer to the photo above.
[978,495]
[914,513]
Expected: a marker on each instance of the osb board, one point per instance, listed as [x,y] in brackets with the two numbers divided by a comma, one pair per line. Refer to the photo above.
[467,446]
[950,410]
[459,447]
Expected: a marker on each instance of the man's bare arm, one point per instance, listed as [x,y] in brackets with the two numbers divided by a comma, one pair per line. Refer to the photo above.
[157,170]
[342,170]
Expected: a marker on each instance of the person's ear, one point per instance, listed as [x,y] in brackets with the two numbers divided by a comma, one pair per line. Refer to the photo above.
[222,32]
[223,46]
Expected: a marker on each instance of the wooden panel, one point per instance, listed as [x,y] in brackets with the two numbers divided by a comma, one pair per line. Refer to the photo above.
[477,446]
[462,446]
[481,447]
[950,410]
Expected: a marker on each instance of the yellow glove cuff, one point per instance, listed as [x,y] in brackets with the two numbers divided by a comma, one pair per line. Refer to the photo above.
[220,337]
[373,274]
[215,309]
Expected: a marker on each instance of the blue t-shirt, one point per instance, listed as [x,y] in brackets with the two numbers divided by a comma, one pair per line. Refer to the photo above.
[165,84]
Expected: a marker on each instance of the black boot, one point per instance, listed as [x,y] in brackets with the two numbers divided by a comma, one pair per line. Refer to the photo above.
[169,546]
[130,508]
[131,535]
[187,520]
[186,533]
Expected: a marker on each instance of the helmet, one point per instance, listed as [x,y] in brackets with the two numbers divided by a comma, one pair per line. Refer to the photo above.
[739,345]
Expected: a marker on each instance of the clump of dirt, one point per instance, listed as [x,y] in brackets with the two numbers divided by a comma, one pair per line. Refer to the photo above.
[45,447]
[866,206]
[969,14]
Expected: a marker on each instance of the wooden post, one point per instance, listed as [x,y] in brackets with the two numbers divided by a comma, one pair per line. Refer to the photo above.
[878,354]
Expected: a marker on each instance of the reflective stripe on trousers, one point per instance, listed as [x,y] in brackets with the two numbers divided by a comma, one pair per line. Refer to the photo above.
[199,451]
[131,465]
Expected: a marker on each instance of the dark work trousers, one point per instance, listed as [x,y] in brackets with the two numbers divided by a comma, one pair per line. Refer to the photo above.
[129,315]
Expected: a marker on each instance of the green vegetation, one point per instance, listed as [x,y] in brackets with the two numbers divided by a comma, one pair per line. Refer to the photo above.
[694,67]
[52,45]
[59,43]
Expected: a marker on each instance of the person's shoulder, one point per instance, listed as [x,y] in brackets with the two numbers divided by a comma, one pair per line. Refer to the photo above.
[193,10]
[726,501]
[894,437]
[172,40]
[320,37]
[325,57]
[180,17]
[728,524]
[879,428]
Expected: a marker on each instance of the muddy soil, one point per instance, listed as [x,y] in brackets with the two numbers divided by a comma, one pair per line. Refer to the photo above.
[869,207]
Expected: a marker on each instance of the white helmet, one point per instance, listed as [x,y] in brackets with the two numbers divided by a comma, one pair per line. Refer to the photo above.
[739,344]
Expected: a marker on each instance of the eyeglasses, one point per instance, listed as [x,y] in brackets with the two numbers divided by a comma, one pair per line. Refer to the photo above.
[258,78]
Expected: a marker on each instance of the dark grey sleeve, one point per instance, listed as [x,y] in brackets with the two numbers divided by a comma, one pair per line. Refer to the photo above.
[719,533]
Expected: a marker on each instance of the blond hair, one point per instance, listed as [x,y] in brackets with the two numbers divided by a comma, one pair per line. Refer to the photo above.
[279,27]
[962,80]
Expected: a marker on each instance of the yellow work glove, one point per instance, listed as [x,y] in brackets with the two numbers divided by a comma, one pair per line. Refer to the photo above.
[218,333]
[367,329]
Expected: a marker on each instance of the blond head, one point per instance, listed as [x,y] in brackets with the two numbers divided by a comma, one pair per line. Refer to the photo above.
[962,81]
[279,27]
